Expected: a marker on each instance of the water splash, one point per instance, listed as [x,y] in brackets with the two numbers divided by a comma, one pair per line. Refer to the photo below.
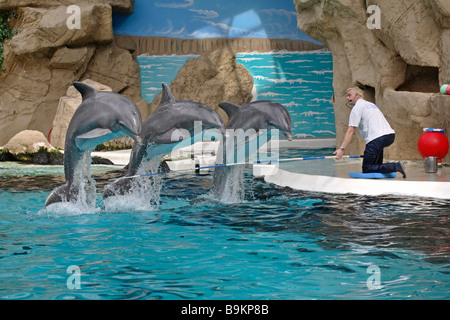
[150,187]
[233,190]
[84,181]
[85,202]
[144,193]
[68,209]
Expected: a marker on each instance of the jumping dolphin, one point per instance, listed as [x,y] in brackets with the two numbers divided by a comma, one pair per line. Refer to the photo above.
[101,116]
[170,127]
[256,115]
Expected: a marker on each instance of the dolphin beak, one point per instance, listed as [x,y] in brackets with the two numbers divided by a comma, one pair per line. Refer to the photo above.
[288,135]
[136,138]
[132,131]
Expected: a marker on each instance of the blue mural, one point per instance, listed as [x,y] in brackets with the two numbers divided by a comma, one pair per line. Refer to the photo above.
[301,81]
[198,19]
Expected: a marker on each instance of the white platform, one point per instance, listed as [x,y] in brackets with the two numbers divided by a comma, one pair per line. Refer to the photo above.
[369,187]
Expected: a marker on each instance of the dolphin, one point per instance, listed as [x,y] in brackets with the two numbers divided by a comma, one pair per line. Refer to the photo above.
[256,116]
[101,116]
[171,126]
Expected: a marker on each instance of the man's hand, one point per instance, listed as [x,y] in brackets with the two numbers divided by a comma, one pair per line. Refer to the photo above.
[339,153]
[347,139]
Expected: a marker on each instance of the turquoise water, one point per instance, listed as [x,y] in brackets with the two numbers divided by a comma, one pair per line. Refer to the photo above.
[20,170]
[277,244]
[301,81]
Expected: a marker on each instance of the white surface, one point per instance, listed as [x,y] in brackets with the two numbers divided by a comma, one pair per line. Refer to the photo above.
[261,170]
[119,158]
[370,187]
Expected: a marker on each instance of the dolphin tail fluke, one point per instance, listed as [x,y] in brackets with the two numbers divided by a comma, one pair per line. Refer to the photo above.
[117,188]
[64,193]
[85,90]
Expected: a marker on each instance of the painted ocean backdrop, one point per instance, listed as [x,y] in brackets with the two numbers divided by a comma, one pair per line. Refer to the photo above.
[301,81]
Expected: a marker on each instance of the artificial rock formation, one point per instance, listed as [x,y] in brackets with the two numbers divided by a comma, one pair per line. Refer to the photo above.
[31,146]
[400,63]
[27,141]
[210,79]
[46,56]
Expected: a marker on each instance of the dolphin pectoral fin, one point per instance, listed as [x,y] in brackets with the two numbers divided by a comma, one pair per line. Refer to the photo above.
[95,133]
[170,141]
[172,135]
[160,149]
[93,138]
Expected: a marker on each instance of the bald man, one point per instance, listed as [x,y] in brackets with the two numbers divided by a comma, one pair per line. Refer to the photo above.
[375,130]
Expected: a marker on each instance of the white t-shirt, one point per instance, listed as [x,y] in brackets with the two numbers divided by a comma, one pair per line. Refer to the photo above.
[370,120]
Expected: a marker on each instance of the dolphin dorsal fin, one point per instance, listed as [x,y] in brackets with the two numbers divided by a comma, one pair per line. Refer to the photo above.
[167,95]
[229,108]
[85,90]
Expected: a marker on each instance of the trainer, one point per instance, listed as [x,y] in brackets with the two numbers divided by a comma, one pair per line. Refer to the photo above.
[375,130]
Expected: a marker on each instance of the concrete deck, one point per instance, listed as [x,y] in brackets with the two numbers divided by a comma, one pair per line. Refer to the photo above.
[332,176]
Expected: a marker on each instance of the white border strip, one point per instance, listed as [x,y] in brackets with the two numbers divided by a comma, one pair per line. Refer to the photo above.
[369,187]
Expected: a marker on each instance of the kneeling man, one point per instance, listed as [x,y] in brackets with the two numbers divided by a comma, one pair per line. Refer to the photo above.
[375,130]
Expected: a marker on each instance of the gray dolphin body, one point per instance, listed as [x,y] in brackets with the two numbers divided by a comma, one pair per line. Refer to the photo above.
[101,116]
[171,126]
[255,115]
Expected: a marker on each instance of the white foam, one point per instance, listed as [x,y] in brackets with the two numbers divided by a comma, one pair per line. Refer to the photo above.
[68,209]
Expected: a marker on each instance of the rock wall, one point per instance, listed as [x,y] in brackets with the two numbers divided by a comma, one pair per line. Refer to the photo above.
[27,141]
[164,45]
[400,65]
[46,56]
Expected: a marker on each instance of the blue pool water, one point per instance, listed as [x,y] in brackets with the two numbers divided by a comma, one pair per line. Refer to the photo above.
[276,244]
[301,81]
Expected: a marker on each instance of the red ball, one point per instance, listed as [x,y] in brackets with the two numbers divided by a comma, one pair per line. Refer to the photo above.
[433,144]
[448,90]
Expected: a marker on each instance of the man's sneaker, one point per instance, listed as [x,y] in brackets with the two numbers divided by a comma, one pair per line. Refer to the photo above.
[399,168]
